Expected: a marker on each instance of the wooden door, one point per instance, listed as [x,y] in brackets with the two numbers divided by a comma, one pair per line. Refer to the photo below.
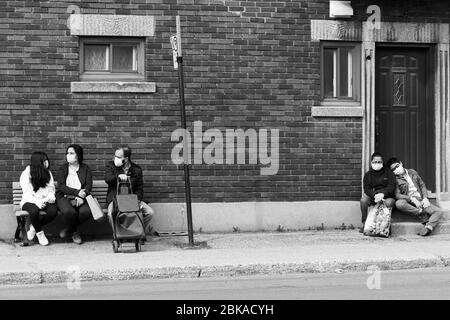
[404,117]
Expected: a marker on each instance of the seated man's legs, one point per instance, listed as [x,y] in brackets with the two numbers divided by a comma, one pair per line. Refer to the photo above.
[364,203]
[435,214]
[404,206]
[147,213]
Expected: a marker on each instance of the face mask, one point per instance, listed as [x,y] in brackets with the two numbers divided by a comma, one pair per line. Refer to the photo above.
[377,166]
[118,162]
[46,164]
[398,171]
[70,158]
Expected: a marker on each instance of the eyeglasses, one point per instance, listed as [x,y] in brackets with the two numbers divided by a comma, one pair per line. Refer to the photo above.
[395,167]
[375,162]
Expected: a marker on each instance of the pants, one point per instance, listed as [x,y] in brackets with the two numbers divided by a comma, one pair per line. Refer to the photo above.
[367,201]
[37,220]
[432,214]
[73,216]
[147,213]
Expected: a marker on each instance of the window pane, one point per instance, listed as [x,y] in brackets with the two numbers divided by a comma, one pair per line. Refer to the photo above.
[125,58]
[96,57]
[329,72]
[344,72]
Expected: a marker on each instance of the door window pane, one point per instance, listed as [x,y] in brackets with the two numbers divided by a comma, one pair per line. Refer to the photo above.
[329,72]
[96,57]
[124,58]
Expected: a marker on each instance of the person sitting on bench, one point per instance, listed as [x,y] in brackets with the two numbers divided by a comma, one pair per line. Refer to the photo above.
[123,168]
[38,195]
[74,184]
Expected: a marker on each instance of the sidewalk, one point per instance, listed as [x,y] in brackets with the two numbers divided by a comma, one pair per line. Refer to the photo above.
[222,255]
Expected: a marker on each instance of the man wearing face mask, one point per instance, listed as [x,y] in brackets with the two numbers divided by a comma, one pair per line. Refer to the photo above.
[412,196]
[379,185]
[122,168]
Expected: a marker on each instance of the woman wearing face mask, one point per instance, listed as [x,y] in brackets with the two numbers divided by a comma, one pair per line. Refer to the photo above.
[74,184]
[379,185]
[38,189]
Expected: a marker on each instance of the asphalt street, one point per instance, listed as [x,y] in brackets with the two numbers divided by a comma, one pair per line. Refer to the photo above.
[401,284]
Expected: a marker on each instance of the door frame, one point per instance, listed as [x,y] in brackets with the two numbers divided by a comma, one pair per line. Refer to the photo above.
[430,52]
[436,37]
[370,35]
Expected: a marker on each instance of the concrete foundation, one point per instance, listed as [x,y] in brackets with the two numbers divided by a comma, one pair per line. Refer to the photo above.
[223,217]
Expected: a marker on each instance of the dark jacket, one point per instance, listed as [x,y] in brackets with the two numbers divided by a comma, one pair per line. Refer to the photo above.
[401,192]
[382,181]
[112,173]
[84,174]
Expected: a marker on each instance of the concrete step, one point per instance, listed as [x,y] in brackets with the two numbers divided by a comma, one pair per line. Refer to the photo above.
[412,228]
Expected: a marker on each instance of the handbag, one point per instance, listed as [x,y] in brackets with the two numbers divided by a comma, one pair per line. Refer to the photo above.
[96,209]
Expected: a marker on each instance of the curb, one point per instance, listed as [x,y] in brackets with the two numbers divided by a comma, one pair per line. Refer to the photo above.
[58,276]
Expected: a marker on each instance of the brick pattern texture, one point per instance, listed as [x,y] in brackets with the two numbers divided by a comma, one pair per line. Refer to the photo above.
[248,64]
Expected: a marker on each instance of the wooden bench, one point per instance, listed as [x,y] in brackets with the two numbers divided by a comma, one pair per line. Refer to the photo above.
[99,190]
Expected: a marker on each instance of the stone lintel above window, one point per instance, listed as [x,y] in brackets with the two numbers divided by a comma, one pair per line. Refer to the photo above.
[111,25]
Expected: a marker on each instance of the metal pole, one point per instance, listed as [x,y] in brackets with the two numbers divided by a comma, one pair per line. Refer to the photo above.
[187,182]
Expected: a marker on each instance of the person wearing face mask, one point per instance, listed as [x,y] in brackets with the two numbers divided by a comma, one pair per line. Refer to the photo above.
[412,197]
[74,184]
[379,185]
[122,168]
[38,195]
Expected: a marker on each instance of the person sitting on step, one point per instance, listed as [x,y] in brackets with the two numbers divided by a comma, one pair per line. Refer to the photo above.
[412,197]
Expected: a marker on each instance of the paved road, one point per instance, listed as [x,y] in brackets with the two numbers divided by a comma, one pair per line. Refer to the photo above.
[407,284]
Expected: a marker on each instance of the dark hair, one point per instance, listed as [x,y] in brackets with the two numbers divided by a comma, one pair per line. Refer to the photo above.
[391,161]
[78,150]
[376,154]
[40,175]
[126,151]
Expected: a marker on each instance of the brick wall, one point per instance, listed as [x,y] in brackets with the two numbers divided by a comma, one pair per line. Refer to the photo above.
[248,64]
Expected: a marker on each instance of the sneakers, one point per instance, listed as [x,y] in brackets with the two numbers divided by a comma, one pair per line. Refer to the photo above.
[426,231]
[31,233]
[76,238]
[43,241]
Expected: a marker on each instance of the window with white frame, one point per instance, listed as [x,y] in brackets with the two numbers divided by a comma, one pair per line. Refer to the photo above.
[112,59]
[340,71]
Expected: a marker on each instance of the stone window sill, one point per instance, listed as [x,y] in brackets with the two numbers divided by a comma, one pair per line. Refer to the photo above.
[113,86]
[338,109]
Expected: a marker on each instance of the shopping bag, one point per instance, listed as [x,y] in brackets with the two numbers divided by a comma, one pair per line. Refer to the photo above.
[96,209]
[378,222]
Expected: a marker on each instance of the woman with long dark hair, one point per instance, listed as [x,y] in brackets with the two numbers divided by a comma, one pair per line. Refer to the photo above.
[38,189]
[74,184]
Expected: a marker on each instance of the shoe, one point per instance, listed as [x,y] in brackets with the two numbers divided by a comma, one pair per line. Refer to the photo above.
[31,233]
[426,231]
[63,233]
[43,241]
[76,238]
[361,230]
